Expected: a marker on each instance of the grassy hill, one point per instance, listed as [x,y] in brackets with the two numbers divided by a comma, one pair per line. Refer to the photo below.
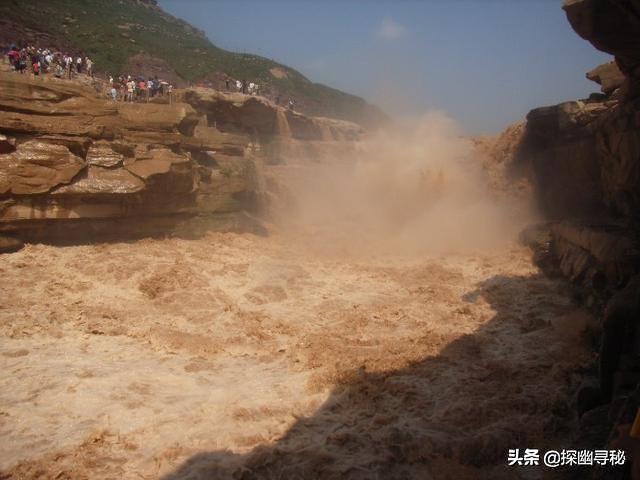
[112,32]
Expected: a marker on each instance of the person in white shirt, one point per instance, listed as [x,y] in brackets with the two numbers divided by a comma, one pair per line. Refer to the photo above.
[79,64]
[89,65]
[131,86]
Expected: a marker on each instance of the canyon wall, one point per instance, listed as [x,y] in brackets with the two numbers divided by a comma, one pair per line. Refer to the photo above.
[75,167]
[583,158]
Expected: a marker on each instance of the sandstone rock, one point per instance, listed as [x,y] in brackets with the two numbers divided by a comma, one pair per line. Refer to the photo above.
[234,113]
[158,117]
[102,154]
[303,128]
[211,139]
[86,166]
[37,167]
[559,149]
[588,250]
[618,144]
[99,180]
[7,144]
[166,172]
[69,125]
[77,145]
[155,162]
[10,244]
[608,75]
[620,326]
[146,168]
[611,26]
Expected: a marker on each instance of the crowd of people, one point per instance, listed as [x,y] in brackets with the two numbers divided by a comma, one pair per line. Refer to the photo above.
[139,89]
[126,88]
[251,88]
[246,87]
[40,61]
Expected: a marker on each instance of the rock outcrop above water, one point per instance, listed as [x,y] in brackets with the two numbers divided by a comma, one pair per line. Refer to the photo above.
[583,158]
[253,115]
[74,166]
[608,75]
[612,26]
[585,155]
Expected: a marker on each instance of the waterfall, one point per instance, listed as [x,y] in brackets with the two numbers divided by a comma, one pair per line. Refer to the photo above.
[282,124]
[327,135]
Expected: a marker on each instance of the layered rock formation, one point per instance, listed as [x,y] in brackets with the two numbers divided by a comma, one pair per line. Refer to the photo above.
[584,160]
[74,166]
[584,156]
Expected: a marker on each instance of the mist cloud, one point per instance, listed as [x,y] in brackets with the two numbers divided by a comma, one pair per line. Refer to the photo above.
[389,29]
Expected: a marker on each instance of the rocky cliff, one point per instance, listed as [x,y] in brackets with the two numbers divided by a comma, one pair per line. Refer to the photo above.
[583,158]
[74,166]
[137,37]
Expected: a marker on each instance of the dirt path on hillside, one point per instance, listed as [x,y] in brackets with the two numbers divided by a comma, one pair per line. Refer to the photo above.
[235,353]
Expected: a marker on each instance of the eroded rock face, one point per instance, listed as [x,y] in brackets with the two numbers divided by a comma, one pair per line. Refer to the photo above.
[612,26]
[559,149]
[10,244]
[158,117]
[100,180]
[102,154]
[618,147]
[236,113]
[84,166]
[596,254]
[37,167]
[585,162]
[7,144]
[608,75]
[586,155]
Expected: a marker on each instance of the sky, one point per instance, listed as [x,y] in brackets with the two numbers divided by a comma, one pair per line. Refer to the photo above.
[485,63]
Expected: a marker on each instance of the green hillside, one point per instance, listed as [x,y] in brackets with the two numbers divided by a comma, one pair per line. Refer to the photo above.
[113,31]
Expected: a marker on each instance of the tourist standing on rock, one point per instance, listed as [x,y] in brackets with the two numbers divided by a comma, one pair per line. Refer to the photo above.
[239,85]
[79,64]
[89,65]
[155,86]
[68,60]
[14,57]
[36,68]
[49,59]
[114,93]
[131,87]
[147,89]
[163,88]
[170,93]
[22,62]
[123,87]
